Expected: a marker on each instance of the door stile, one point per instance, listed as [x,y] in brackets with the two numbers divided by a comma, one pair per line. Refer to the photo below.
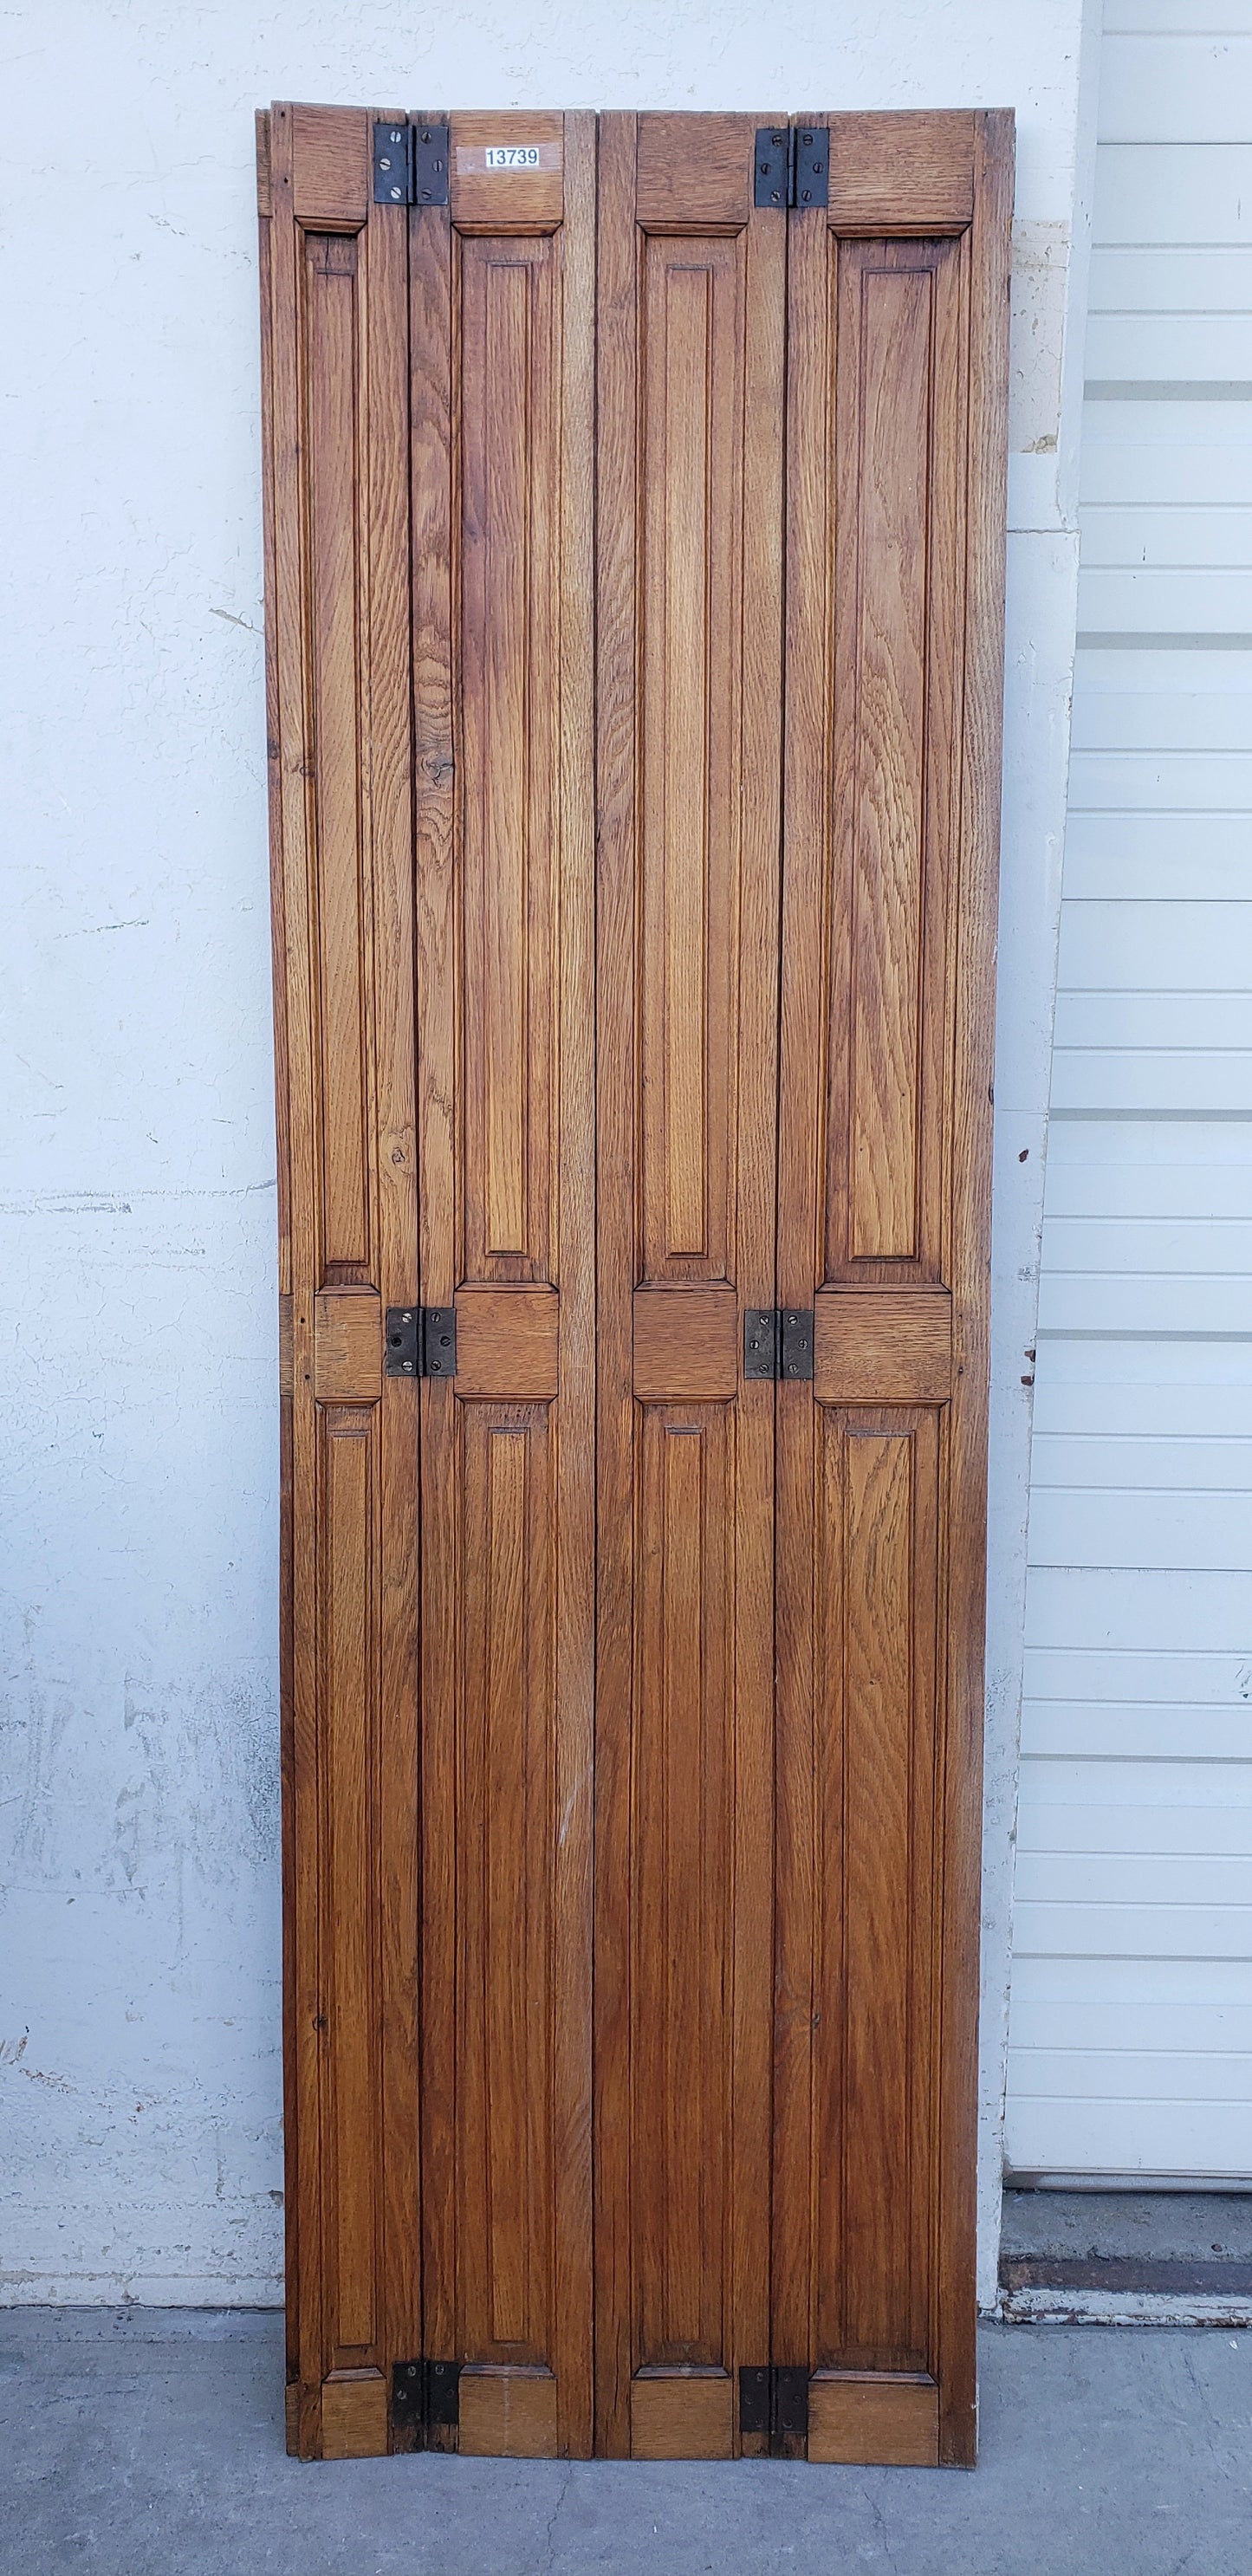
[971,1128]
[759,967]
[574,1802]
[337,425]
[805,935]
[617,611]
[438,977]
[691,350]
[282,1126]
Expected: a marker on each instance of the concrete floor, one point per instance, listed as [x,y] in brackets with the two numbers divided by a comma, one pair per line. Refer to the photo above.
[1150,2226]
[150,2442]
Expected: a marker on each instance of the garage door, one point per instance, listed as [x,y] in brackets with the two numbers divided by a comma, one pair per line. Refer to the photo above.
[1131,2023]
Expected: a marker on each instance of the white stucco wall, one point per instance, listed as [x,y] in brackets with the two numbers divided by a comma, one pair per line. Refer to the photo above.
[139,1940]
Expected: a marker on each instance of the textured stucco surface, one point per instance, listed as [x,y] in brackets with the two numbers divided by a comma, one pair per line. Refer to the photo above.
[139,1941]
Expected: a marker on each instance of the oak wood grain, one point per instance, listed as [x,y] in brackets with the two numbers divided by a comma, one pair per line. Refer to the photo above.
[502,320]
[504,201]
[874,2417]
[908,172]
[507,1341]
[347,1346]
[689,463]
[694,173]
[894,492]
[329,166]
[508,2415]
[689,2416]
[354,2416]
[882,1346]
[336,474]
[686,1343]
[601,409]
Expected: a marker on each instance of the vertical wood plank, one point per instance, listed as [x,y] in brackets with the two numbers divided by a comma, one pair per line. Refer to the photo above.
[349,1794]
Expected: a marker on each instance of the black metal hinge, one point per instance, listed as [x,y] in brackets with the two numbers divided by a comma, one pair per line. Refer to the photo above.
[421,1342]
[778,1341]
[410,165]
[791,166]
[774,2400]
[425,2397]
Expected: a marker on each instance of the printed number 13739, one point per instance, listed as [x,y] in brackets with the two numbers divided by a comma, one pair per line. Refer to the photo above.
[512,156]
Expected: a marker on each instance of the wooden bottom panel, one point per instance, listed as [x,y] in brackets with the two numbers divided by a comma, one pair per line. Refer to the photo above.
[688,2417]
[872,2420]
[509,2415]
[354,2417]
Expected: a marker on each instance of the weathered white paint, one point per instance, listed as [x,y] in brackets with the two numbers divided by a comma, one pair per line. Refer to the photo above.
[140,1933]
[1132,1979]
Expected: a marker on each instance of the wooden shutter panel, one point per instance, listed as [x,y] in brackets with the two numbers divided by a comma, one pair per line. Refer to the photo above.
[337,490]
[897,321]
[503,406]
[544,466]
[689,459]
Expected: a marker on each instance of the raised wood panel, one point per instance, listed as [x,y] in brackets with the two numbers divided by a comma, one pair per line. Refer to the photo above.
[685,2417]
[692,675]
[347,1646]
[506,1838]
[876,1515]
[684,1786]
[333,358]
[354,2416]
[874,2418]
[509,570]
[907,172]
[329,165]
[507,1341]
[694,171]
[894,496]
[348,1346]
[508,2415]
[509,199]
[686,1344]
[882,1346]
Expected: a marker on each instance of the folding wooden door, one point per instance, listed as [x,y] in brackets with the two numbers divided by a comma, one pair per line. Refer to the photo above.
[634,572]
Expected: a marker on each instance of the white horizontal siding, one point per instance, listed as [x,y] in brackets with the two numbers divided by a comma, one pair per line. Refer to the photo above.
[1178,194]
[1131,2008]
[1164,858]
[1176,86]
